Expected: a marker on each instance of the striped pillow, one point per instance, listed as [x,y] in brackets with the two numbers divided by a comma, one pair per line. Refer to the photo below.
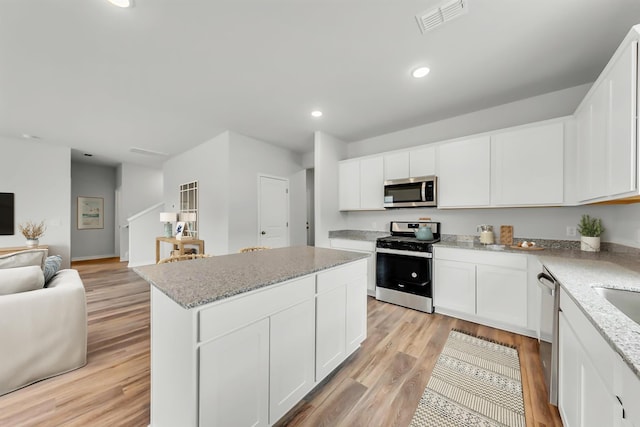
[51,267]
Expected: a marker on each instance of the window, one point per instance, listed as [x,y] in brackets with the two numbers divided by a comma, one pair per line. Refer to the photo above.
[189,207]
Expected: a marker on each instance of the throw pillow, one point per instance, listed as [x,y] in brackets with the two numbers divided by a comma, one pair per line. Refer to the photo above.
[24,258]
[51,267]
[21,279]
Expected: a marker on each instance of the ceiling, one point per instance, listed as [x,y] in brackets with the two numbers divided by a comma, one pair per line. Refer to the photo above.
[167,75]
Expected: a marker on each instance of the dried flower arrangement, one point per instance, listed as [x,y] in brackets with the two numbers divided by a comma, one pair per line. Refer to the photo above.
[32,231]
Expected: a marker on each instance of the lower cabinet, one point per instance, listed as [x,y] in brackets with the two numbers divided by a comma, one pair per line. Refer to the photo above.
[341,316]
[484,287]
[248,360]
[234,378]
[362,246]
[595,387]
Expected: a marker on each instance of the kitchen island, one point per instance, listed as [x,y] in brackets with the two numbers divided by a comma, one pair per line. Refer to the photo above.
[240,339]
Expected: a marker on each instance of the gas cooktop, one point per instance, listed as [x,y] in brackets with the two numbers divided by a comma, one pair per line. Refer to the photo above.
[403,238]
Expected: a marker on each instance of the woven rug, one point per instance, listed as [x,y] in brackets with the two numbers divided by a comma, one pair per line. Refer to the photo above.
[475,382]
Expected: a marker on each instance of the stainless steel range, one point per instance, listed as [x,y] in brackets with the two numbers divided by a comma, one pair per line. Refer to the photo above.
[404,266]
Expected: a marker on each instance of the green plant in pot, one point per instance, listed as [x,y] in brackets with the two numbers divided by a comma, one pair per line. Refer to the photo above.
[590,229]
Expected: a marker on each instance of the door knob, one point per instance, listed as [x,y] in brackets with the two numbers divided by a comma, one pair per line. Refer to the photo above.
[263,233]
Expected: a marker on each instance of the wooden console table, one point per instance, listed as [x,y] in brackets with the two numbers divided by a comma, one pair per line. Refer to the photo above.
[4,251]
[178,245]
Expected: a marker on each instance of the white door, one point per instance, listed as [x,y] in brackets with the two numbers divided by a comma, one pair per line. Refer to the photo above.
[273,212]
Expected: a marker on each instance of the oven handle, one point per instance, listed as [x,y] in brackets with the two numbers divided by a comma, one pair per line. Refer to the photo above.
[405,253]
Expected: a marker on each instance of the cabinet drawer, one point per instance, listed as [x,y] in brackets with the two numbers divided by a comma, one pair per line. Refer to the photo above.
[474,256]
[227,316]
[353,245]
[601,355]
[341,275]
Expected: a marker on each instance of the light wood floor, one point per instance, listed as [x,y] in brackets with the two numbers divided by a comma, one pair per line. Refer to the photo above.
[380,385]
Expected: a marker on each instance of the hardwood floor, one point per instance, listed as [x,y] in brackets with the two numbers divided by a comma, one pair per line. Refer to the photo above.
[380,385]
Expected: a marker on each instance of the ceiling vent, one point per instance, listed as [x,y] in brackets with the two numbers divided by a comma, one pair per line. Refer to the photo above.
[445,12]
[147,152]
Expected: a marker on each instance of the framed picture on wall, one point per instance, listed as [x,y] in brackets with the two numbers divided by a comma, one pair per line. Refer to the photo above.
[90,213]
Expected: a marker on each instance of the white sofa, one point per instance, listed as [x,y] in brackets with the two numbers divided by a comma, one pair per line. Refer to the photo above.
[43,332]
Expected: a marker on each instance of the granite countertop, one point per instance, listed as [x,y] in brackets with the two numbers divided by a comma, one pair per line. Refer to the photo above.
[201,281]
[367,235]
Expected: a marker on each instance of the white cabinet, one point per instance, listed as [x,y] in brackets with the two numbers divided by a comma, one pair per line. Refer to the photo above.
[607,129]
[464,173]
[234,378]
[291,372]
[455,286]
[502,294]
[349,185]
[247,360]
[587,372]
[484,287]
[363,246]
[527,166]
[341,315]
[361,184]
[422,161]
[396,165]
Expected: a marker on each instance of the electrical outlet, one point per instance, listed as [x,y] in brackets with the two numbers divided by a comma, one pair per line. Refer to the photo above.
[571,231]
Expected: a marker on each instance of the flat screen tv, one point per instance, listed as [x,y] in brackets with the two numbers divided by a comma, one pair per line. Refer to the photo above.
[7,227]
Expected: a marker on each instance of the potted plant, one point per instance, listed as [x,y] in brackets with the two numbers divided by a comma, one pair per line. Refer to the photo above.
[590,229]
[32,232]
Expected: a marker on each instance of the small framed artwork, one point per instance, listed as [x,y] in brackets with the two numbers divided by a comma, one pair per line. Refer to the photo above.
[90,213]
[179,229]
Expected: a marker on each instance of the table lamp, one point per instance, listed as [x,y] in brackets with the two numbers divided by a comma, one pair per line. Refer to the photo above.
[168,218]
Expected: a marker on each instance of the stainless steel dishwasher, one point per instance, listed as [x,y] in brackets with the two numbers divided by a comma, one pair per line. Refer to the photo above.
[548,332]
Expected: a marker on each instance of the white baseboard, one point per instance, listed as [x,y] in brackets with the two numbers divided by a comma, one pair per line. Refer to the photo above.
[88,258]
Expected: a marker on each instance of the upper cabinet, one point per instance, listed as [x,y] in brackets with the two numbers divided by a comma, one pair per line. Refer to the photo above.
[422,161]
[464,173]
[527,166]
[361,184]
[396,165]
[406,164]
[607,130]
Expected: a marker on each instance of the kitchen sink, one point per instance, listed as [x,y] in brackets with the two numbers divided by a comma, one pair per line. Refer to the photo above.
[627,302]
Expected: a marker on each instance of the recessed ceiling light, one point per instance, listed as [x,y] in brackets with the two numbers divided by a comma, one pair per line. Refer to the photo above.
[88,155]
[122,3]
[316,113]
[28,136]
[420,72]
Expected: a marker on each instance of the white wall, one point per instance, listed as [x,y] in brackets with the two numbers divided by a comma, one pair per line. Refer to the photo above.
[92,180]
[208,163]
[542,107]
[249,158]
[139,188]
[328,151]
[40,176]
[143,230]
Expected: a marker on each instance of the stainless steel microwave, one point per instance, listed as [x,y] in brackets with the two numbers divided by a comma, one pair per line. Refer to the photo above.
[411,192]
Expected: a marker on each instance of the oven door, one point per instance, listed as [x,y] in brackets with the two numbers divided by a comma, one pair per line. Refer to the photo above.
[404,271]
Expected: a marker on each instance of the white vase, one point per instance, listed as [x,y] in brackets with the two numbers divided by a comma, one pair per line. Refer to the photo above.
[32,243]
[590,244]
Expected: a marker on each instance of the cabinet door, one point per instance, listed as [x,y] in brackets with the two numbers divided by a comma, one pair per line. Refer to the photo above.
[396,165]
[570,375]
[291,357]
[599,406]
[455,286]
[622,145]
[464,173]
[371,183]
[234,378]
[349,185]
[330,330]
[356,322]
[502,294]
[527,166]
[422,162]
